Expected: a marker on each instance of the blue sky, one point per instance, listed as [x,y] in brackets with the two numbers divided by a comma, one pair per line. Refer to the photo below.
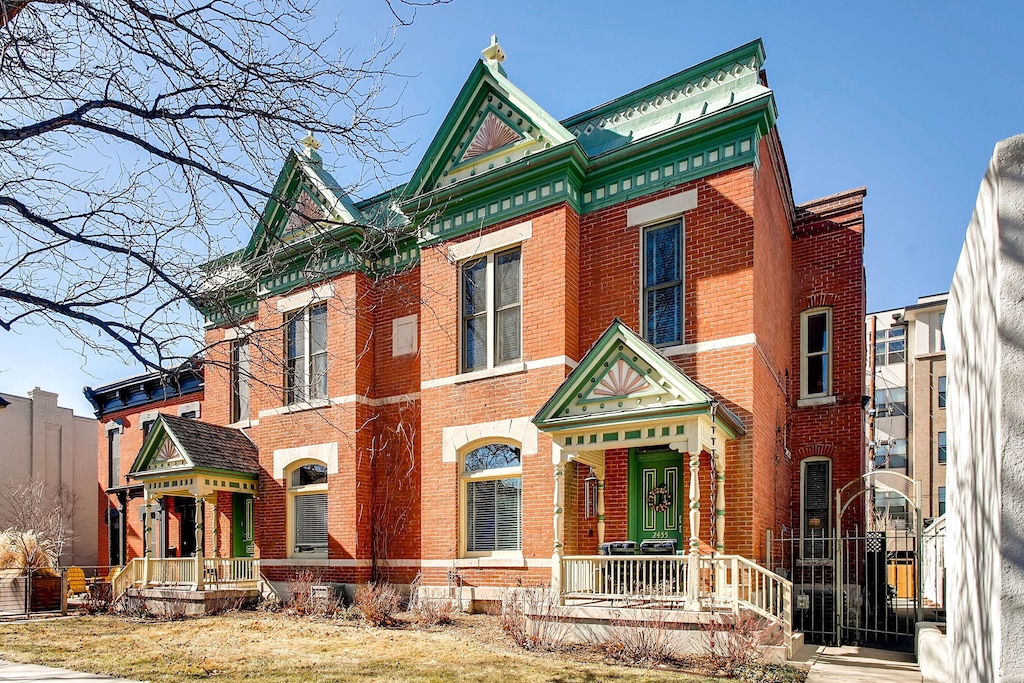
[907,99]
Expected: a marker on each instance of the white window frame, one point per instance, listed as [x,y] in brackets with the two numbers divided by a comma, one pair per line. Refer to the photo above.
[300,392]
[487,475]
[240,364]
[296,492]
[829,531]
[830,364]
[679,220]
[491,309]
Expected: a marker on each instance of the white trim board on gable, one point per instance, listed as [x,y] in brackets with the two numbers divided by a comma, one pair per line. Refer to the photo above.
[661,209]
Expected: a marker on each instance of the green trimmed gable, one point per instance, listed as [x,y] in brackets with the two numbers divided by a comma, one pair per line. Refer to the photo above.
[623,380]
[491,124]
[498,155]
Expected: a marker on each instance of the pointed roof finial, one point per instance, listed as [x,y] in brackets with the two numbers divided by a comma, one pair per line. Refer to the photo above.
[493,52]
[309,147]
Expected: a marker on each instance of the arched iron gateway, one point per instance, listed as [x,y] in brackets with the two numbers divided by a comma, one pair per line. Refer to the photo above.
[857,578]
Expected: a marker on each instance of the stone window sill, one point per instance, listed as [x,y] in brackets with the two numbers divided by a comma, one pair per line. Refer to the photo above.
[817,401]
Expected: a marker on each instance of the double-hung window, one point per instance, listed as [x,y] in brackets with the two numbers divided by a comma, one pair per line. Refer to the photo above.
[942,500]
[492,328]
[663,284]
[113,455]
[941,442]
[306,355]
[492,480]
[942,391]
[815,353]
[307,491]
[239,380]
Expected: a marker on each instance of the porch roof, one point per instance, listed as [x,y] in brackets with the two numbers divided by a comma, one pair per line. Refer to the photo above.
[197,457]
[625,384]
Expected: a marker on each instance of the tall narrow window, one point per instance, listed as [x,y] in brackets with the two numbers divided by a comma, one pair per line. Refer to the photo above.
[491,291]
[816,349]
[307,489]
[816,496]
[942,500]
[493,494]
[239,380]
[941,441]
[306,355]
[663,285]
[113,456]
[942,391]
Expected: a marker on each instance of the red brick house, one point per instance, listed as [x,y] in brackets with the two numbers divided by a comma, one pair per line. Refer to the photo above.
[618,326]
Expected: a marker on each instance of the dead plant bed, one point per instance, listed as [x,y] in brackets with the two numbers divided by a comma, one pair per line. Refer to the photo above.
[246,646]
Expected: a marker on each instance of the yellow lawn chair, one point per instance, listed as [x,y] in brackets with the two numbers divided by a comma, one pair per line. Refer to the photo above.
[76,581]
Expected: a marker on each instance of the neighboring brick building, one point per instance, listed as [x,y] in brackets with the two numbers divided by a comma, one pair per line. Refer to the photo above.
[424,398]
[127,410]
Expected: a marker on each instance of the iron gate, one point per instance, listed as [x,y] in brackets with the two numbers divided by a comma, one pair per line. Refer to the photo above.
[858,582]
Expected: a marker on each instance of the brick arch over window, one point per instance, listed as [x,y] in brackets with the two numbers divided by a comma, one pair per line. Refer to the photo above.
[819,300]
[821,449]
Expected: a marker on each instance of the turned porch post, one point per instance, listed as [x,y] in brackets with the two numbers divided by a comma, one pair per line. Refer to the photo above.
[559,519]
[720,504]
[147,535]
[693,566]
[200,541]
[600,506]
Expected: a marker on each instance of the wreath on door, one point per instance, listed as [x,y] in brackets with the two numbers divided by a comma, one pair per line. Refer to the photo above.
[659,499]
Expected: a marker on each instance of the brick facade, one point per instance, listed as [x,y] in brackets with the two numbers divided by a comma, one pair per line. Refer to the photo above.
[753,262]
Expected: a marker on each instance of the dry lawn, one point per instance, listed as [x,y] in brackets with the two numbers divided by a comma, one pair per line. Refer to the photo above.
[251,646]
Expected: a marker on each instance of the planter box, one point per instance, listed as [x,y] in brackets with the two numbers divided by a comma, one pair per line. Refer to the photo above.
[46,593]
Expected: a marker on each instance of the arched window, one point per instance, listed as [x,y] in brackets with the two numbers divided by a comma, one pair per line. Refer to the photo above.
[307,509]
[492,495]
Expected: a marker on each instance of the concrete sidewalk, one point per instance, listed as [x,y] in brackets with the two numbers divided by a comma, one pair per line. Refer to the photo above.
[16,673]
[849,664]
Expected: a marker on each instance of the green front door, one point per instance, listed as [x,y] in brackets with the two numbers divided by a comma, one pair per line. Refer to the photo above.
[655,504]
[242,544]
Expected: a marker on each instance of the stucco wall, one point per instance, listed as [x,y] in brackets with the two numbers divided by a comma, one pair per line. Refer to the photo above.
[984,328]
[40,440]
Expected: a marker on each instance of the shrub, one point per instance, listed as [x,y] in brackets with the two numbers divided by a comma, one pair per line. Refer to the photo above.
[519,606]
[25,550]
[310,597]
[429,611]
[642,640]
[378,603]
[735,644]
[98,599]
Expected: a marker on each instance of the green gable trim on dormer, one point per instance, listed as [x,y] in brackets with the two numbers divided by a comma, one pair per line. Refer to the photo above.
[302,177]
[487,89]
[688,95]
[624,380]
[158,444]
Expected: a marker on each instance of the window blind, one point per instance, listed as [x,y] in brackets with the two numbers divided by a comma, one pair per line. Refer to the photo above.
[311,522]
[494,515]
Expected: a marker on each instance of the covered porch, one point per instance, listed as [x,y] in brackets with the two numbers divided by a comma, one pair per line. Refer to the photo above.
[628,420]
[199,485]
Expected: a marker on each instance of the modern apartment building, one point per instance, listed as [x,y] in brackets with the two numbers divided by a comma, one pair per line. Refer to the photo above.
[906,380]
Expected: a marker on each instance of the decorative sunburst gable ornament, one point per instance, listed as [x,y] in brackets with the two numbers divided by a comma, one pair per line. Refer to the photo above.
[167,452]
[622,379]
[492,134]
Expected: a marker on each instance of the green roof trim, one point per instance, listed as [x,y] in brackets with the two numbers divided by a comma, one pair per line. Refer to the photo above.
[623,379]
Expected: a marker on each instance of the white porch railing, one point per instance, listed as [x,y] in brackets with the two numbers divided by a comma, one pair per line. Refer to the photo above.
[722,580]
[234,572]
